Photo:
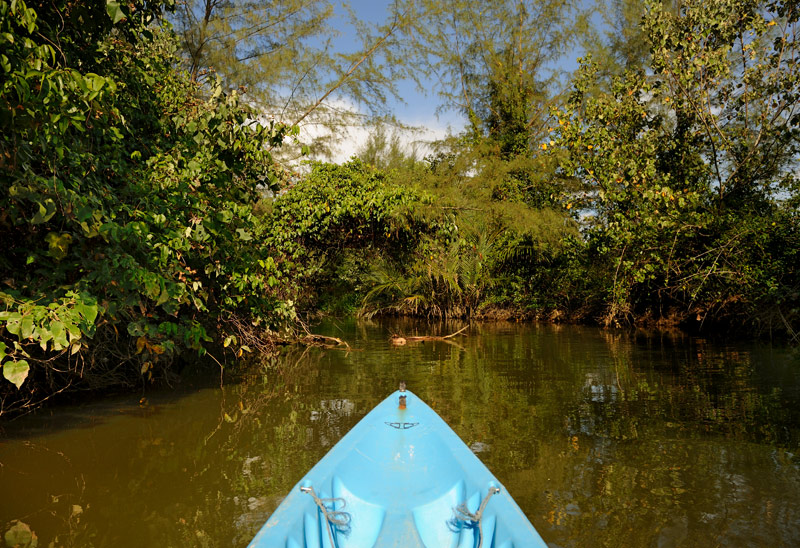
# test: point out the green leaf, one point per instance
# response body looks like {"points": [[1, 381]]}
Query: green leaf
{"points": [[26, 327], [151, 287], [20, 535], [16, 372], [84, 213], [2, 352], [226, 216], [74, 332], [59, 335], [163, 297], [96, 82], [12, 323], [45, 212], [88, 311], [135, 329], [114, 10], [44, 337], [58, 245]]}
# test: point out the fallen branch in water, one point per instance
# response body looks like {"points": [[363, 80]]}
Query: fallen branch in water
{"points": [[313, 339], [399, 340]]}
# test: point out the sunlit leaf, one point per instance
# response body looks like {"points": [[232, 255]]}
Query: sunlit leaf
{"points": [[26, 327], [20, 535], [16, 372], [114, 10], [58, 244], [13, 321], [45, 212], [88, 311], [59, 332]]}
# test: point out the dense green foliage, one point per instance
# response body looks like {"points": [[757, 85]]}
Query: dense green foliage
{"points": [[337, 218], [425, 238], [127, 203], [690, 170]]}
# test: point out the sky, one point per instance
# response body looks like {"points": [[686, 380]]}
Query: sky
{"points": [[417, 108]]}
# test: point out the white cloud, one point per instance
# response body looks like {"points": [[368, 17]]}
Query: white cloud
{"points": [[339, 144]]}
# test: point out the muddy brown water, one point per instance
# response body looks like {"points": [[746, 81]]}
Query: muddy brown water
{"points": [[603, 438]]}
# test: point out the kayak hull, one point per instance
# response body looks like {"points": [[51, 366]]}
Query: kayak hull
{"points": [[396, 480]]}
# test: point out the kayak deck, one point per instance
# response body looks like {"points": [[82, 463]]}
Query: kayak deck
{"points": [[396, 480]]}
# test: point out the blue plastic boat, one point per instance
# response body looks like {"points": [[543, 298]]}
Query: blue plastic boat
{"points": [[400, 478]]}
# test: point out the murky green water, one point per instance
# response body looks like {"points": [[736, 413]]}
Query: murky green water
{"points": [[603, 438]]}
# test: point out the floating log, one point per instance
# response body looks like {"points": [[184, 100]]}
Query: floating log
{"points": [[399, 340], [313, 339]]}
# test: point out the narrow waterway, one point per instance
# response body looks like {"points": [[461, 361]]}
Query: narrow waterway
{"points": [[603, 438]]}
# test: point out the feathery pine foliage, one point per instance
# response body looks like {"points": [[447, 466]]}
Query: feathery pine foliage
{"points": [[283, 54], [479, 54], [620, 44], [250, 44]]}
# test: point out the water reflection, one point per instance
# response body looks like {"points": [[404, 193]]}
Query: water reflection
{"points": [[660, 440]]}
